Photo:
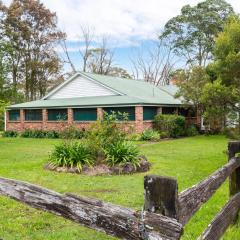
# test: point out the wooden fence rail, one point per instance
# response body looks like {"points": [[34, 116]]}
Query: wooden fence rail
{"points": [[165, 211]]}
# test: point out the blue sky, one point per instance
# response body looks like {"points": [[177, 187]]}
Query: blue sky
{"points": [[128, 24]]}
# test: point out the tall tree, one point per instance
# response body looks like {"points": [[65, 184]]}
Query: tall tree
{"points": [[100, 59], [227, 60], [192, 33], [31, 29], [154, 64], [191, 84]]}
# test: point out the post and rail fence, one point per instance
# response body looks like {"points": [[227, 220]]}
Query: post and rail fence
{"points": [[163, 216]]}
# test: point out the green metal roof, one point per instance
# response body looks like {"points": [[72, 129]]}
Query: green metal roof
{"points": [[133, 92]]}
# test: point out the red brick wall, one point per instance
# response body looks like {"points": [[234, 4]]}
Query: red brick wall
{"points": [[138, 125]]}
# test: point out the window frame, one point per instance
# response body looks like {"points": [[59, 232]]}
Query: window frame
{"points": [[33, 120], [57, 109], [145, 118], [132, 115], [14, 120], [91, 119]]}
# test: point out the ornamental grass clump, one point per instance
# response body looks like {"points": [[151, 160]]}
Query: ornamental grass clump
{"points": [[71, 154], [122, 153]]}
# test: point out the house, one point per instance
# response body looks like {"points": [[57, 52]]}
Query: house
{"points": [[85, 96]]}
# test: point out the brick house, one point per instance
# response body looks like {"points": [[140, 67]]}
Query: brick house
{"points": [[83, 97]]}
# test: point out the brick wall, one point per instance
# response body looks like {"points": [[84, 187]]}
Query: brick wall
{"points": [[138, 125]]}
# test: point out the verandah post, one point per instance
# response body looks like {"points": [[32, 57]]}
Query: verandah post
{"points": [[234, 178], [161, 195]]}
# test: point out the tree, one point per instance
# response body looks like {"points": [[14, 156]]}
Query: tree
{"points": [[100, 60], [119, 72], [217, 100], [31, 29], [227, 60], [227, 54], [154, 65], [191, 84], [192, 33]]}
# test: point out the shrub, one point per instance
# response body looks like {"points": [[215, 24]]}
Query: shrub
{"points": [[191, 131], [10, 134], [173, 125], [134, 137], [52, 134], [71, 154], [72, 132], [150, 135], [231, 133], [105, 132], [121, 153], [29, 133]]}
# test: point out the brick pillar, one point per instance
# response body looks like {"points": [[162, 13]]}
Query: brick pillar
{"points": [[22, 119], [44, 119], [159, 110], [99, 113], [70, 116], [139, 119]]}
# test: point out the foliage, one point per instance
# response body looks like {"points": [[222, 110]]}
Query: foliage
{"points": [[10, 134], [71, 154], [217, 99], [31, 33], [32, 133], [29, 133], [122, 152], [192, 33], [191, 84], [227, 54], [106, 131], [171, 125], [191, 131], [3, 105], [150, 135], [72, 132]]}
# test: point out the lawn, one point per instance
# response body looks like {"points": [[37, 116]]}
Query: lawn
{"points": [[189, 160]]}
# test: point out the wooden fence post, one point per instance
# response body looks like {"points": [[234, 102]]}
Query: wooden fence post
{"points": [[234, 178], [161, 195]]}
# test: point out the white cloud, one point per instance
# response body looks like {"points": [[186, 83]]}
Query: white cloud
{"points": [[125, 21]]}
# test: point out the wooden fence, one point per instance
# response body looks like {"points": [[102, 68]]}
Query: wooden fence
{"points": [[165, 211]]}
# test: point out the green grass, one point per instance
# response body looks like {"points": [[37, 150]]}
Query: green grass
{"points": [[189, 160]]}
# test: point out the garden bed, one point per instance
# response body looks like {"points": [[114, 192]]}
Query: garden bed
{"points": [[103, 169]]}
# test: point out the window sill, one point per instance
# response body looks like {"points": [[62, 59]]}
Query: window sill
{"points": [[12, 121], [55, 121], [32, 121]]}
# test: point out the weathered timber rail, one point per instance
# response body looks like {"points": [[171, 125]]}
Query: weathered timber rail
{"points": [[165, 210], [112, 219]]}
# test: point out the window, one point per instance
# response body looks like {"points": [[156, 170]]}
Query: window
{"points": [[57, 115], [14, 115], [85, 114], [33, 115], [169, 110], [129, 110], [149, 113]]}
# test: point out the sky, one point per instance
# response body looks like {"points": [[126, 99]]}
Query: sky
{"points": [[128, 25]]}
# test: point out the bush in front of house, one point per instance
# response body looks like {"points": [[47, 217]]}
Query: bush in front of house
{"points": [[122, 152], [191, 131], [105, 143], [172, 125], [105, 132], [29, 133], [72, 132], [10, 133], [72, 154], [150, 135]]}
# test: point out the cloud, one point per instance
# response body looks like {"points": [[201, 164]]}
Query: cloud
{"points": [[125, 22]]}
